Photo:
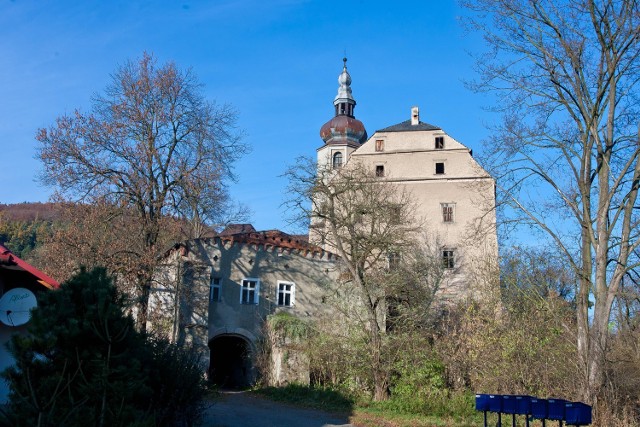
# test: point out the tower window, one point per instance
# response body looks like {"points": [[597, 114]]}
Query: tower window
{"points": [[379, 171], [439, 142], [337, 160], [379, 145], [447, 212], [393, 260], [439, 168], [448, 258]]}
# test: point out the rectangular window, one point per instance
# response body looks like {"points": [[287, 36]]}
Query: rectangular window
{"points": [[216, 287], [249, 291], [439, 142], [379, 145], [337, 160], [439, 168], [447, 212], [379, 171], [448, 258], [286, 294], [393, 259]]}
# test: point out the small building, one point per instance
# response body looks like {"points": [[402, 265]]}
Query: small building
{"points": [[228, 285], [17, 275]]}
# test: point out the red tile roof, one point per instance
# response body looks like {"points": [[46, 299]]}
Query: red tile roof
{"points": [[275, 238], [11, 261]]}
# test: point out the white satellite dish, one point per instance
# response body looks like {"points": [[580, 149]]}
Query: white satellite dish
{"points": [[16, 305]]}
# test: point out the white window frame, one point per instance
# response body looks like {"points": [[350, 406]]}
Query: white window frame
{"points": [[216, 283], [291, 292], [444, 206], [255, 289]]}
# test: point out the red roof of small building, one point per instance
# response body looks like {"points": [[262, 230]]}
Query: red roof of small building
{"points": [[275, 238], [246, 234], [10, 261]]}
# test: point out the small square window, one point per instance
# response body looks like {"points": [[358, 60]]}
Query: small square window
{"points": [[286, 294], [439, 168], [379, 171], [439, 142], [379, 145], [448, 258], [447, 212], [249, 291], [216, 287]]}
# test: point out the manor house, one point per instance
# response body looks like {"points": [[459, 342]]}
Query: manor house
{"points": [[216, 293]]}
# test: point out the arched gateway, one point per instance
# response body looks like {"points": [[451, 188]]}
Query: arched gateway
{"points": [[231, 364]]}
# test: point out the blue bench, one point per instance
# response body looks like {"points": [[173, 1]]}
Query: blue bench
{"points": [[572, 413]]}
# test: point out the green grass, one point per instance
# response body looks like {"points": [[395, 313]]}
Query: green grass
{"points": [[310, 397], [446, 410]]}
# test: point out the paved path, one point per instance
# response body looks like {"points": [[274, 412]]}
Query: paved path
{"points": [[240, 409]]}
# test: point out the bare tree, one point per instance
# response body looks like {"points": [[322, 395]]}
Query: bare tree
{"points": [[369, 223], [566, 155], [148, 142]]}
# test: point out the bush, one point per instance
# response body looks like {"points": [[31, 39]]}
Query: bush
{"points": [[82, 363]]}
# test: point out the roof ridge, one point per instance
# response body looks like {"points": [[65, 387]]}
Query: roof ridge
{"points": [[406, 126]]}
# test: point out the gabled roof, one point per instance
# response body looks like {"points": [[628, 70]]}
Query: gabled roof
{"points": [[237, 228], [406, 126], [11, 262]]}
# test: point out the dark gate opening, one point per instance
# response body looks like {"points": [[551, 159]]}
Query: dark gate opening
{"points": [[230, 365]]}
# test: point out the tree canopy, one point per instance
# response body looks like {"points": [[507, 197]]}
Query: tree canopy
{"points": [[388, 278], [152, 147], [566, 153]]}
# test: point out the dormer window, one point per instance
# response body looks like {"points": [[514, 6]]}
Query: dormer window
{"points": [[439, 142], [337, 160]]}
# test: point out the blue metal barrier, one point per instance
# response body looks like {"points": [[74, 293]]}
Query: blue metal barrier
{"points": [[577, 413], [572, 413]]}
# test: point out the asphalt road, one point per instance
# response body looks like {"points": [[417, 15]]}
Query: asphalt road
{"points": [[240, 409]]}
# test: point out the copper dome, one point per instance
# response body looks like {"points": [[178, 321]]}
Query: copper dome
{"points": [[341, 129]]}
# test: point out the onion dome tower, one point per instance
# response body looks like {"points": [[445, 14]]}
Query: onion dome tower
{"points": [[343, 133]]}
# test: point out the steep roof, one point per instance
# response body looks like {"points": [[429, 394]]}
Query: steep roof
{"points": [[10, 261], [406, 126]]}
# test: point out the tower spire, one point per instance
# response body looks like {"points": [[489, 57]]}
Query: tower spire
{"points": [[344, 128], [344, 102]]}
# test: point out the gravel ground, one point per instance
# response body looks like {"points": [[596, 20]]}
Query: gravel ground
{"points": [[240, 409]]}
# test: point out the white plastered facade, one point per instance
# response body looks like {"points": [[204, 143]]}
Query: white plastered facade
{"points": [[408, 155]]}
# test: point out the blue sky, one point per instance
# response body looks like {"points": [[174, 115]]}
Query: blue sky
{"points": [[276, 61]]}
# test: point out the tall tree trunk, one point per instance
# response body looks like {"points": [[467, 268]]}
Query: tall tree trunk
{"points": [[380, 376]]}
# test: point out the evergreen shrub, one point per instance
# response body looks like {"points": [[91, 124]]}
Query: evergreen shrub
{"points": [[82, 363]]}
